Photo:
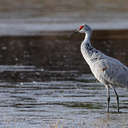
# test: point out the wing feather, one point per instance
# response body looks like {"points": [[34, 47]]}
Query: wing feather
{"points": [[111, 71]]}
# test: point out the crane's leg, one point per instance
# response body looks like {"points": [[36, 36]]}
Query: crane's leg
{"points": [[117, 98], [108, 98]]}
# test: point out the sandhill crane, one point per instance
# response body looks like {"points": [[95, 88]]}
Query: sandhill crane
{"points": [[109, 71]]}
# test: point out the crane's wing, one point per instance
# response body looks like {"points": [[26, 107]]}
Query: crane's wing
{"points": [[114, 72]]}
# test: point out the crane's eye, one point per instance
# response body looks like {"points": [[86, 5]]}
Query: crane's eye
{"points": [[81, 27]]}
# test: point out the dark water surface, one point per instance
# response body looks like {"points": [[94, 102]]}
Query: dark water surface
{"points": [[45, 82]]}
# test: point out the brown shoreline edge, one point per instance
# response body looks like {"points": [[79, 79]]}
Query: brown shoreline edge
{"points": [[58, 51], [97, 34]]}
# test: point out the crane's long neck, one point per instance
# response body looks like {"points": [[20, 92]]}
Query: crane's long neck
{"points": [[86, 47]]}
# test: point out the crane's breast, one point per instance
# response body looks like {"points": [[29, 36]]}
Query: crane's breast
{"points": [[99, 70]]}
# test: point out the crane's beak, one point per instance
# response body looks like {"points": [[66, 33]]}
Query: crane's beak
{"points": [[76, 30]]}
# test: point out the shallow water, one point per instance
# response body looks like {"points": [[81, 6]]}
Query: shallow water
{"points": [[78, 102]]}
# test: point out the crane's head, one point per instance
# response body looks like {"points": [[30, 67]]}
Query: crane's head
{"points": [[84, 29]]}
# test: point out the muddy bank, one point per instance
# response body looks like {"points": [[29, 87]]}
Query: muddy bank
{"points": [[60, 50]]}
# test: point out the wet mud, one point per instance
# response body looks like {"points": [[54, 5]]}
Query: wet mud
{"points": [[58, 51]]}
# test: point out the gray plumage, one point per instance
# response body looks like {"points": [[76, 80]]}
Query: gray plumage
{"points": [[109, 71]]}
